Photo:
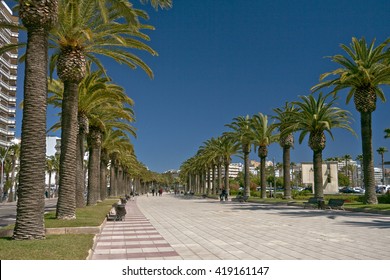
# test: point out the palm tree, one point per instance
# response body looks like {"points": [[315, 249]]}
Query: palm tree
{"points": [[106, 117], [286, 141], [262, 136], [87, 29], [363, 70], [113, 142], [38, 17], [50, 168], [242, 134], [315, 117], [360, 159], [387, 133], [227, 148], [96, 94], [14, 152], [381, 151], [346, 158]]}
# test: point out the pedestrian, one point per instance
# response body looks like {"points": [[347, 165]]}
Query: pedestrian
{"points": [[153, 192], [160, 192], [223, 195]]}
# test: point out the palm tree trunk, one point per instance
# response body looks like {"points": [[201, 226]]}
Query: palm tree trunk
{"points": [[49, 189], [80, 181], [30, 206], [219, 176], [383, 169], [66, 205], [246, 151], [208, 182], [368, 161], [93, 173], [263, 181], [286, 172], [215, 191], [103, 180], [227, 186], [317, 166]]}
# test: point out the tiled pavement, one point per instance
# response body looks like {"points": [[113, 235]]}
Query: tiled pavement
{"points": [[133, 238], [170, 227]]}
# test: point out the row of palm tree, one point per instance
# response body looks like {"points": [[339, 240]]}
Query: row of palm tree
{"points": [[310, 116], [363, 70], [79, 31]]}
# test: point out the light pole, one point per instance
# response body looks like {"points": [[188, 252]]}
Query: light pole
{"points": [[2, 171]]}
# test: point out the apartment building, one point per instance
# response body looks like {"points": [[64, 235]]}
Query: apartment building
{"points": [[8, 74]]}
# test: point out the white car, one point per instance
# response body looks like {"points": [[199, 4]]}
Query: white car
{"points": [[382, 188], [359, 190]]}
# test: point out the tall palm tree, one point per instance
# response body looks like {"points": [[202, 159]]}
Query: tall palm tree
{"points": [[346, 159], [242, 134], [381, 151], [262, 136], [85, 31], [106, 117], [96, 92], [227, 148], [363, 70], [314, 118], [286, 141], [38, 17], [113, 142]]}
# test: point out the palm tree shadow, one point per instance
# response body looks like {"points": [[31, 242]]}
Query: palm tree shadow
{"points": [[374, 223]]}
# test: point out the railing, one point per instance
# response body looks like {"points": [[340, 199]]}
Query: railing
{"points": [[7, 132], [8, 110], [8, 120], [8, 86], [8, 98]]}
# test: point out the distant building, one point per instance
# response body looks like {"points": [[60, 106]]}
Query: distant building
{"points": [[329, 176], [8, 75], [234, 169], [378, 176], [53, 145]]}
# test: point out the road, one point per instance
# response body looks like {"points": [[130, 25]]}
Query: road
{"points": [[8, 211]]}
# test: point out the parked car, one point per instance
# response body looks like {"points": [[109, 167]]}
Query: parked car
{"points": [[347, 190], [359, 190], [382, 188], [297, 188]]}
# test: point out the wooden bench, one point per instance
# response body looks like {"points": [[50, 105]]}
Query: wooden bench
{"points": [[314, 202], [241, 198], [335, 204]]}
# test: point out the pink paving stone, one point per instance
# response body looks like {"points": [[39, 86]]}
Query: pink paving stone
{"points": [[134, 229]]}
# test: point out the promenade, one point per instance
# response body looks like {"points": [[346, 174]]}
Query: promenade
{"points": [[173, 227]]}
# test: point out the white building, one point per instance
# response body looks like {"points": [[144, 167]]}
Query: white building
{"points": [[329, 176], [53, 147], [8, 75]]}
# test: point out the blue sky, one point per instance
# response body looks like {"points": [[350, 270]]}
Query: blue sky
{"points": [[221, 59]]}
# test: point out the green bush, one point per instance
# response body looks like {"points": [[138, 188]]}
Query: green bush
{"points": [[385, 199]]}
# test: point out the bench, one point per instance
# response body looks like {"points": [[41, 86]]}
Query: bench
{"points": [[335, 204], [241, 198], [204, 195], [314, 202]]}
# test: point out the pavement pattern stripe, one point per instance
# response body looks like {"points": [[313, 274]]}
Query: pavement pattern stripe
{"points": [[132, 238]]}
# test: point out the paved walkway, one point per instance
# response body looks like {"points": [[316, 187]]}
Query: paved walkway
{"points": [[171, 227]]}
